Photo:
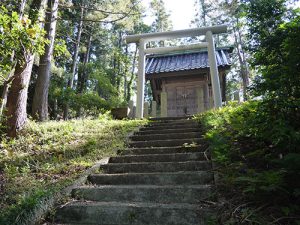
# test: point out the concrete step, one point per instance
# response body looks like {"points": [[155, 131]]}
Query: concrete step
{"points": [[144, 193], [166, 143], [168, 127], [172, 123], [116, 213], [166, 136], [169, 131], [179, 178], [164, 150], [170, 118], [176, 157], [153, 167]]}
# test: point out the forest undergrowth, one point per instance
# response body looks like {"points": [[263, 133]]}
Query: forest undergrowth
{"points": [[257, 164], [49, 156]]}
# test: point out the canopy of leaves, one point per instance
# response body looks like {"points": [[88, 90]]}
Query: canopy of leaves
{"points": [[275, 43], [18, 37]]}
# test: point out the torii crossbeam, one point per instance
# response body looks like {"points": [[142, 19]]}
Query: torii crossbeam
{"points": [[142, 39]]}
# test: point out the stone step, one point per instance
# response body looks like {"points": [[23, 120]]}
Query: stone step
{"points": [[172, 123], [144, 193], [179, 178], [170, 118], [169, 131], [116, 213], [176, 157], [166, 143], [154, 167], [164, 150], [166, 136], [168, 127]]}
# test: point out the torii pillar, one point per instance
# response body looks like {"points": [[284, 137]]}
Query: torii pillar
{"points": [[142, 39]]}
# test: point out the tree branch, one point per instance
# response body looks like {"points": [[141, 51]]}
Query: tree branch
{"points": [[97, 10]]}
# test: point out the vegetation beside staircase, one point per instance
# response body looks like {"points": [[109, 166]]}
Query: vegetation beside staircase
{"points": [[50, 156]]}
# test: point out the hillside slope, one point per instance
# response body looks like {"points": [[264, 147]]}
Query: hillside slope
{"points": [[49, 156]]}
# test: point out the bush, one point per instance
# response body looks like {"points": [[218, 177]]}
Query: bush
{"points": [[258, 153]]}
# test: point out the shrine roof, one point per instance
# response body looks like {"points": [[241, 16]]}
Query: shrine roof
{"points": [[185, 61]]}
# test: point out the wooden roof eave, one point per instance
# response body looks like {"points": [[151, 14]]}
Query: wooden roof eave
{"points": [[183, 73]]}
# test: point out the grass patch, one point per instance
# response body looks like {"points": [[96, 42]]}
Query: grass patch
{"points": [[258, 162], [49, 156]]}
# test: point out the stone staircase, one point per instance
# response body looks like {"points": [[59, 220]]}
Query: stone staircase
{"points": [[163, 178]]}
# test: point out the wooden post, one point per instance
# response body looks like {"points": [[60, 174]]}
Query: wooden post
{"points": [[146, 109], [153, 109], [206, 96], [164, 104], [200, 100]]}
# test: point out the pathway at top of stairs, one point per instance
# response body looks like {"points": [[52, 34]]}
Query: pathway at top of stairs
{"points": [[163, 178]]}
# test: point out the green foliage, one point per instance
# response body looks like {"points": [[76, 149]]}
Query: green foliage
{"points": [[256, 144], [18, 37], [60, 50], [99, 95], [275, 43], [49, 156], [258, 153], [162, 18]]}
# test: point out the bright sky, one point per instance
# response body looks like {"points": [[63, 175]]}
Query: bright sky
{"points": [[182, 12]]}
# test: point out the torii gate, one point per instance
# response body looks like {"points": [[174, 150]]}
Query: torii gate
{"points": [[142, 39]]}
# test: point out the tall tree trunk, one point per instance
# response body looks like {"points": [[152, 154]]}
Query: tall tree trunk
{"points": [[243, 54], [125, 74], [132, 75], [17, 97], [84, 76], [11, 74], [82, 83], [76, 49], [204, 12], [75, 56], [5, 90], [119, 67], [243, 64], [18, 92], [22, 8], [40, 99]]}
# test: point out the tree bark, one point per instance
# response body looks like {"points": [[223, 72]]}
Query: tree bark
{"points": [[14, 100], [125, 74], [82, 83], [84, 76], [76, 49], [132, 75], [17, 97], [22, 8], [18, 92], [10, 76], [243, 63], [40, 99], [5, 90], [243, 54], [75, 56]]}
